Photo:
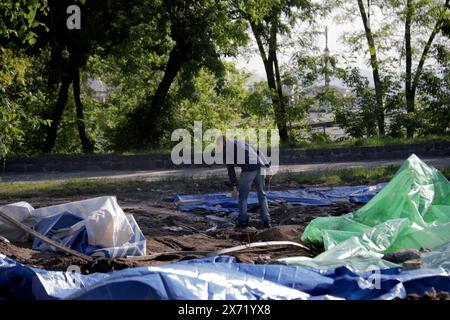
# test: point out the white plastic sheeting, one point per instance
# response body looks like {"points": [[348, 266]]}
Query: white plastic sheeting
{"points": [[19, 211], [106, 223]]}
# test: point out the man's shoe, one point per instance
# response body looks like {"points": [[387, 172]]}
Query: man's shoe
{"points": [[267, 225]]}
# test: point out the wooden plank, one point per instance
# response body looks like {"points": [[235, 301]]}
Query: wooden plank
{"points": [[258, 245], [156, 255], [43, 238], [222, 251]]}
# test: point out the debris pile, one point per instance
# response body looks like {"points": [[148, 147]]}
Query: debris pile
{"points": [[411, 212], [95, 227], [396, 246]]}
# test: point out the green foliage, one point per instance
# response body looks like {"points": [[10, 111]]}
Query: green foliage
{"points": [[217, 109], [17, 22], [432, 112], [201, 32], [434, 91], [375, 141], [356, 112], [258, 101], [18, 19], [131, 71], [127, 45]]}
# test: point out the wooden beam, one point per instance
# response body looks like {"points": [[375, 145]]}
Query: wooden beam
{"points": [[222, 251], [258, 245], [43, 238]]}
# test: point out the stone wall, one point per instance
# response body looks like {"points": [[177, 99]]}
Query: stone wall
{"points": [[111, 162], [387, 152]]}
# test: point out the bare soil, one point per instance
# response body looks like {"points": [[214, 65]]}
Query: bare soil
{"points": [[169, 230]]}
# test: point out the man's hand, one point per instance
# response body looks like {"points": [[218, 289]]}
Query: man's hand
{"points": [[234, 193]]}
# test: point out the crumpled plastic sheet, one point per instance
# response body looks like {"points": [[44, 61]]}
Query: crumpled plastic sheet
{"points": [[96, 226], [58, 228], [438, 258], [411, 212], [222, 202], [106, 223], [217, 278]]}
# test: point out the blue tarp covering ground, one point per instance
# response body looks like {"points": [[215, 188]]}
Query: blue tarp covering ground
{"points": [[222, 202], [217, 278]]}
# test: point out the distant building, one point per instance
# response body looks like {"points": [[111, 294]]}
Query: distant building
{"points": [[99, 88], [320, 116]]}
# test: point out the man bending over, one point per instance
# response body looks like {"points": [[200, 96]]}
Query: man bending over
{"points": [[252, 163]]}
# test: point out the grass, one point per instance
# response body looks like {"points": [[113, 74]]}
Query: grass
{"points": [[80, 154], [83, 186], [15, 191], [369, 142], [339, 177]]}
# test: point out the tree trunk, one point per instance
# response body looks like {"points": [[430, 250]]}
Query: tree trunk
{"points": [[57, 113], [173, 66], [282, 123], [276, 93], [411, 84], [88, 146], [379, 90], [426, 49], [409, 94]]}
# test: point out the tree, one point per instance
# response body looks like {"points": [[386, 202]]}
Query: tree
{"points": [[356, 113], [421, 22], [379, 87], [371, 42], [18, 20], [204, 98], [412, 15], [200, 31], [433, 93], [18, 25], [131, 72], [268, 20], [104, 24]]}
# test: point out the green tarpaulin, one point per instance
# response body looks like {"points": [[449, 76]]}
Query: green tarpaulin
{"points": [[411, 212]]}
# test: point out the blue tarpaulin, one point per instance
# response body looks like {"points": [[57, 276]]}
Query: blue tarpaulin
{"points": [[58, 228], [217, 278], [222, 202]]}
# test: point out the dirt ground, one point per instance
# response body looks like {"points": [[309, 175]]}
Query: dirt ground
{"points": [[174, 236], [196, 234]]}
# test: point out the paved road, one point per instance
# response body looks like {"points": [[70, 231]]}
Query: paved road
{"points": [[203, 172]]}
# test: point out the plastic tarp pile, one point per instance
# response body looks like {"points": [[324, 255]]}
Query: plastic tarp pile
{"points": [[411, 212], [217, 278], [96, 227], [438, 258], [222, 202]]}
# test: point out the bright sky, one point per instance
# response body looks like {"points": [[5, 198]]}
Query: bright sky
{"points": [[254, 63], [251, 61]]}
